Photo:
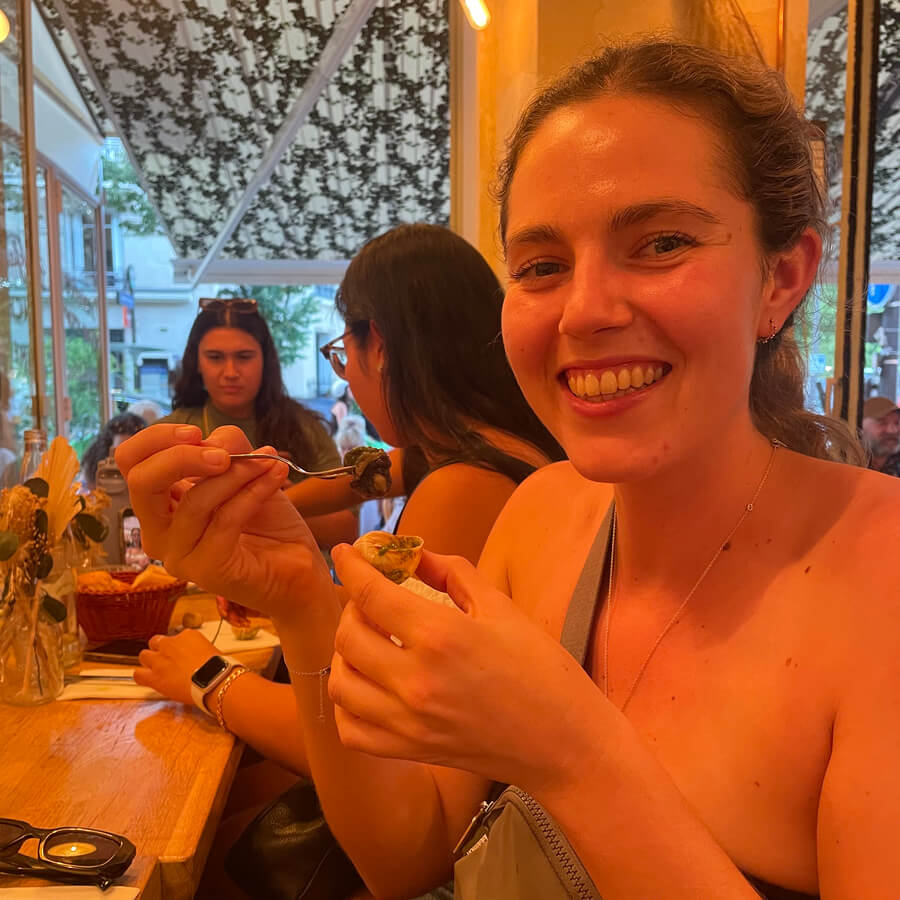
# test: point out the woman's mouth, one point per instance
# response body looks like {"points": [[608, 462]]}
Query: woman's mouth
{"points": [[602, 385]]}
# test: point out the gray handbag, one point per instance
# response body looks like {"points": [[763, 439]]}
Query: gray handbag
{"points": [[513, 849]]}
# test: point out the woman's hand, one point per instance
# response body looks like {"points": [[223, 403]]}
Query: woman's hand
{"points": [[480, 688], [222, 523], [169, 662]]}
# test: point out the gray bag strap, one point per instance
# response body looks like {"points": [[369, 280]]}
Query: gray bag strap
{"points": [[576, 633]]}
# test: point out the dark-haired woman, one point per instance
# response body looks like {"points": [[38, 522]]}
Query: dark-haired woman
{"points": [[230, 375], [455, 403]]}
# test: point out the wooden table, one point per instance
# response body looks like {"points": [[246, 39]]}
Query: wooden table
{"points": [[157, 772]]}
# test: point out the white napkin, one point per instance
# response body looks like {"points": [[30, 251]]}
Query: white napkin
{"points": [[226, 642], [68, 892], [417, 586], [94, 688]]}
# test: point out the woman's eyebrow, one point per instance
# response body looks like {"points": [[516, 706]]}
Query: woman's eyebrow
{"points": [[642, 212], [534, 234]]}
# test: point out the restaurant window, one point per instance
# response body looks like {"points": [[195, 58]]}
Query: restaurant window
{"points": [[81, 313], [17, 370]]}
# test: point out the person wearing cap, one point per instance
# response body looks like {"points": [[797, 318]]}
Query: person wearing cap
{"points": [[881, 434]]}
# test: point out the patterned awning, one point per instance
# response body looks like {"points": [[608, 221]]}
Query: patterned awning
{"points": [[198, 89]]}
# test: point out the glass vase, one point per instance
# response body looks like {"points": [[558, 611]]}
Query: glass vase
{"points": [[31, 664], [61, 583]]}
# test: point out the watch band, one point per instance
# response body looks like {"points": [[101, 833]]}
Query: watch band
{"points": [[198, 694]]}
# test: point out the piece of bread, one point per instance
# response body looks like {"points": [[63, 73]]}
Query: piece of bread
{"points": [[153, 576], [100, 581]]}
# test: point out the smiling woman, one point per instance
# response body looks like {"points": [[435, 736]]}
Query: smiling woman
{"points": [[730, 723]]}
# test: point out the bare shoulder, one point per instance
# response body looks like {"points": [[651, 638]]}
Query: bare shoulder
{"points": [[848, 520], [454, 508], [864, 506], [542, 537], [557, 496]]}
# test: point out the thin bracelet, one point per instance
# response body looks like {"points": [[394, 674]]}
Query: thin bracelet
{"points": [[322, 675], [223, 690]]}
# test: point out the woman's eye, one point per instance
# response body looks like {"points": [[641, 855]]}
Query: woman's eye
{"points": [[665, 244], [536, 269]]}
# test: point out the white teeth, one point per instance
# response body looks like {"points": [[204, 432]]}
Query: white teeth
{"points": [[612, 384], [609, 384]]}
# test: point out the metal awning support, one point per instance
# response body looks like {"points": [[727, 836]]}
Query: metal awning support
{"points": [[342, 38], [262, 271]]}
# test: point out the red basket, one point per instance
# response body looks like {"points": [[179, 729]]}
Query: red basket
{"points": [[126, 615]]}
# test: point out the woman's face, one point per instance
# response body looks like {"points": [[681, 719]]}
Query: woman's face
{"points": [[364, 375], [231, 366], [630, 261]]}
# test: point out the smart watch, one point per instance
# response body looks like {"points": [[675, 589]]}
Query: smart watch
{"points": [[206, 677]]}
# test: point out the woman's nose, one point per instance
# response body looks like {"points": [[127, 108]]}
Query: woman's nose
{"points": [[595, 300]]}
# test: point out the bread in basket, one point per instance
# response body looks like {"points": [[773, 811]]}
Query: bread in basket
{"points": [[122, 604]]}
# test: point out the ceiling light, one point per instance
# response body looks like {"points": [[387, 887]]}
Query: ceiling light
{"points": [[477, 13]]}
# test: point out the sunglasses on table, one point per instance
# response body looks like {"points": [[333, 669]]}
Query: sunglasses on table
{"points": [[335, 352], [73, 855], [238, 304]]}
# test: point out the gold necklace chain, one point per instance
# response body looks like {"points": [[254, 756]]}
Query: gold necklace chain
{"points": [[610, 596]]}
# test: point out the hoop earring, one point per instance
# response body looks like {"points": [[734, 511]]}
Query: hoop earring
{"points": [[772, 332]]}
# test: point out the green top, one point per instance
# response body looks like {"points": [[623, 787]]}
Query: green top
{"points": [[325, 453]]}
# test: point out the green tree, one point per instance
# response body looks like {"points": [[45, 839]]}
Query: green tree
{"points": [[124, 195], [288, 311]]}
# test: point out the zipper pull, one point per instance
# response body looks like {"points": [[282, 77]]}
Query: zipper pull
{"points": [[477, 819]]}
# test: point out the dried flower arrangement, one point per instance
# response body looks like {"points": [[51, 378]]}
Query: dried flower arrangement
{"points": [[33, 519]]}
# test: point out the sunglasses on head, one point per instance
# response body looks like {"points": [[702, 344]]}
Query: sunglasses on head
{"points": [[74, 855], [238, 304]]}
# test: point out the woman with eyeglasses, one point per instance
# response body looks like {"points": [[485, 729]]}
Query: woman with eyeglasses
{"points": [[449, 405], [231, 375]]}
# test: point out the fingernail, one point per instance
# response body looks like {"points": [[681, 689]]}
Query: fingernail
{"points": [[185, 432], [214, 456]]}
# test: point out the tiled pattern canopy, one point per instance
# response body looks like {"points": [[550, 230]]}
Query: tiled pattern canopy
{"points": [[198, 88]]}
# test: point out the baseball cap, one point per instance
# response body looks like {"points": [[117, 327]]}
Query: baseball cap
{"points": [[878, 407]]}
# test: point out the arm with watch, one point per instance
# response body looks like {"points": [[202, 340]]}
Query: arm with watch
{"points": [[262, 713]]}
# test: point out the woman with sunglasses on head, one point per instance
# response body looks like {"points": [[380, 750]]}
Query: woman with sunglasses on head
{"points": [[230, 375]]}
